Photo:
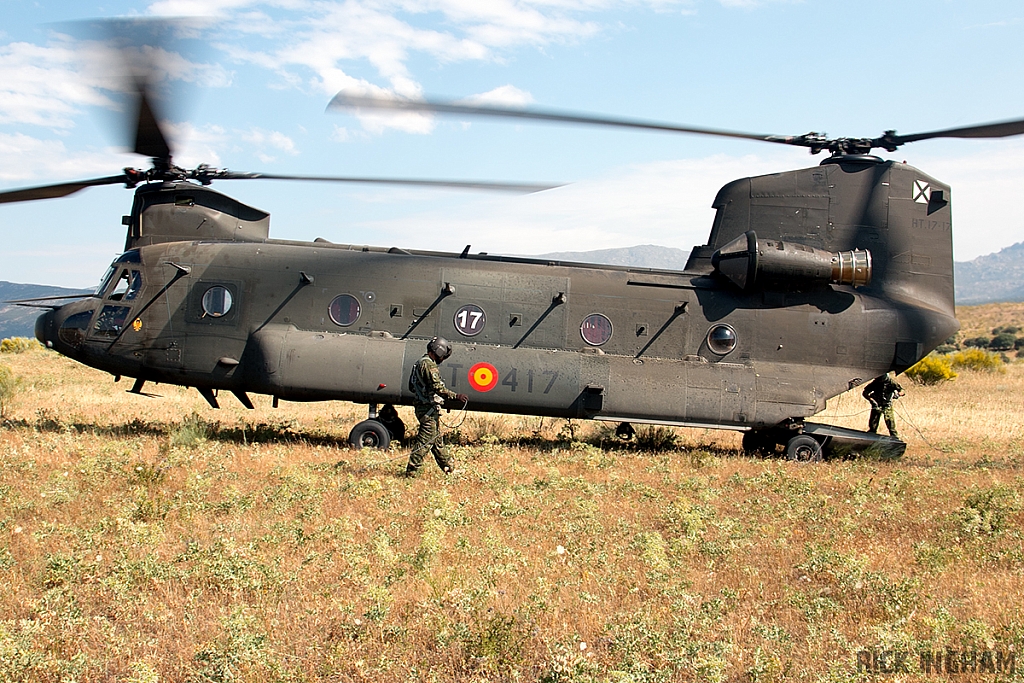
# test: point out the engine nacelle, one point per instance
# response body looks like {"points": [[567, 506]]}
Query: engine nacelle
{"points": [[774, 264]]}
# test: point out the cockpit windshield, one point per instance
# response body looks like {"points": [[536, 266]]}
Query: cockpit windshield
{"points": [[127, 257]]}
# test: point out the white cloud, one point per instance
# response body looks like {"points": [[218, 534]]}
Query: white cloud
{"points": [[506, 95], [322, 39], [24, 158], [263, 140], [43, 85], [665, 203], [197, 8]]}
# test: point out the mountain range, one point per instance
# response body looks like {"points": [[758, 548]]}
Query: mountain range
{"points": [[20, 321], [986, 279]]}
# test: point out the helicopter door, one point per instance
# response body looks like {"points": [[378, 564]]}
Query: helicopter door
{"points": [[212, 317]]}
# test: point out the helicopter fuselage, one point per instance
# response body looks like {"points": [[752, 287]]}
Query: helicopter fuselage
{"points": [[734, 346]]}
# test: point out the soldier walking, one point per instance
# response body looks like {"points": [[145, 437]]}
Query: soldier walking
{"points": [[880, 393], [431, 394]]}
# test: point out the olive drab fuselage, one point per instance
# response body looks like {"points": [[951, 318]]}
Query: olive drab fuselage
{"points": [[812, 282]]}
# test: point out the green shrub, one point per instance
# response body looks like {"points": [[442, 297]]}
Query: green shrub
{"points": [[945, 349], [1003, 341], [976, 342], [19, 345], [986, 512], [931, 370], [9, 385], [1018, 343], [978, 360]]}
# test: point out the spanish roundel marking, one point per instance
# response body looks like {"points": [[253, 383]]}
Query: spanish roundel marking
{"points": [[483, 376]]}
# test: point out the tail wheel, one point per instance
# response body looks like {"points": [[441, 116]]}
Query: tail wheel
{"points": [[803, 448], [369, 434]]}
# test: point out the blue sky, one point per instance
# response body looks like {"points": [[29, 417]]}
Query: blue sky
{"points": [[255, 98]]}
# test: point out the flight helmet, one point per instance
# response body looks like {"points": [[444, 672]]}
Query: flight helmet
{"points": [[440, 347]]}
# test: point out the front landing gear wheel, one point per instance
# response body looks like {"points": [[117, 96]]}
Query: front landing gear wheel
{"points": [[369, 434], [803, 448]]}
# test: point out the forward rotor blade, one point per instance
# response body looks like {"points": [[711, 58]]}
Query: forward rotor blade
{"points": [[997, 129], [49, 298], [150, 140], [347, 101], [522, 188], [28, 194]]}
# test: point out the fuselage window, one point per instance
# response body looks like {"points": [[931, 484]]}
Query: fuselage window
{"points": [[217, 302], [721, 339], [596, 329], [344, 310], [470, 320], [72, 330], [111, 321]]}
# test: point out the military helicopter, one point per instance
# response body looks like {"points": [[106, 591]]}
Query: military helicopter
{"points": [[811, 283]]}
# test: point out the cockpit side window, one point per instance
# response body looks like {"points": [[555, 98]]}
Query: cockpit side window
{"points": [[121, 288], [134, 286], [128, 286]]}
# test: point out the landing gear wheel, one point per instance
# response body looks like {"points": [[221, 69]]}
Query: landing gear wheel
{"points": [[803, 448], [757, 442], [369, 434]]}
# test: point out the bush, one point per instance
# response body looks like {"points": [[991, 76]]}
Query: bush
{"points": [[1003, 341], [9, 385], [978, 360], [931, 370], [977, 342], [945, 348], [19, 345]]}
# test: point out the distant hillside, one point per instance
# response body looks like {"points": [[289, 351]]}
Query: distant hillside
{"points": [[641, 256], [987, 279], [19, 321], [991, 278]]}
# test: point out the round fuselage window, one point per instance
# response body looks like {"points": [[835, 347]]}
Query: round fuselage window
{"points": [[217, 301], [721, 339], [596, 329], [345, 310]]}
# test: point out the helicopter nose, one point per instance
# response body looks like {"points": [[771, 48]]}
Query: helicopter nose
{"points": [[44, 328]]}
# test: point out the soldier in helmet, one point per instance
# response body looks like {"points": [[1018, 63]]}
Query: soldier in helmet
{"points": [[880, 393], [431, 394]]}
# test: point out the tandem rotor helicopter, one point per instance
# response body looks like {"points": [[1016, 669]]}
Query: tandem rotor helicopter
{"points": [[811, 283]]}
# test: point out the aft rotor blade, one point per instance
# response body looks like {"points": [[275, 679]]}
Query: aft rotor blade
{"points": [[28, 194], [346, 101], [998, 129], [522, 188]]}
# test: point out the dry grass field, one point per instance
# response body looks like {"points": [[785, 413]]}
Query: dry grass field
{"points": [[154, 539]]}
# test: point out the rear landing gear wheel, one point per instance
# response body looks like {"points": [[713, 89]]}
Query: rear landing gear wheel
{"points": [[803, 448], [369, 434]]}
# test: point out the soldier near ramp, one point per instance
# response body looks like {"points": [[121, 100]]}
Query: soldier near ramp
{"points": [[431, 394], [880, 393]]}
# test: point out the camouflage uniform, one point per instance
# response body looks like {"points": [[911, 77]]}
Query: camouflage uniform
{"points": [[881, 392], [427, 386]]}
